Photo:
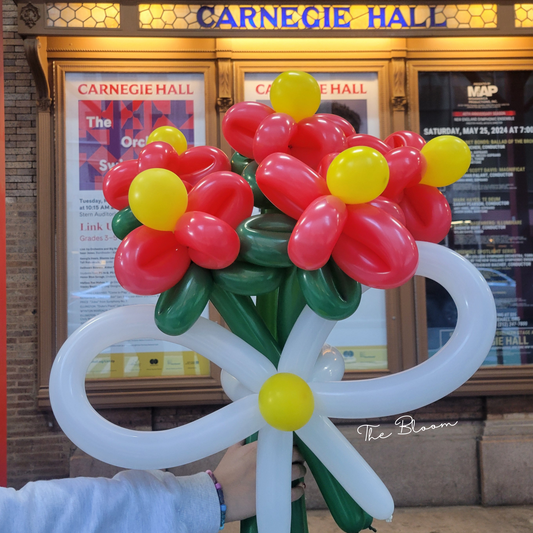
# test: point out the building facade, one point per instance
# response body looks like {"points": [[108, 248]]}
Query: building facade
{"points": [[431, 69]]}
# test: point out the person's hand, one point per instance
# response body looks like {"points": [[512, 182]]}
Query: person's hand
{"points": [[236, 474]]}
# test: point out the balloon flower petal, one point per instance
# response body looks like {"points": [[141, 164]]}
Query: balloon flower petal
{"points": [[348, 467], [289, 184], [340, 122], [427, 213], [392, 208], [314, 138], [148, 261], [304, 344], [240, 125], [158, 154], [117, 181], [317, 232], [200, 161], [405, 138], [273, 135], [211, 242], [375, 249], [224, 195], [273, 496], [406, 166], [362, 139]]}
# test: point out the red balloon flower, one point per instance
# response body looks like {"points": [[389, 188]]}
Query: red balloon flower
{"points": [[367, 241], [149, 261], [191, 166]]}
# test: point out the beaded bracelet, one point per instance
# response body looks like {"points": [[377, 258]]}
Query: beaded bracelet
{"points": [[220, 494]]}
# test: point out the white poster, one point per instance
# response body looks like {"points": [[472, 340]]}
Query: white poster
{"points": [[108, 119], [362, 338]]}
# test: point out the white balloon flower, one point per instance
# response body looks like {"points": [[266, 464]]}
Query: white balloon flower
{"points": [[264, 397]]}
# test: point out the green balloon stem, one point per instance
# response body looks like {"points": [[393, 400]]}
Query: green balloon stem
{"points": [[242, 318], [299, 516], [347, 514], [266, 307], [290, 304]]}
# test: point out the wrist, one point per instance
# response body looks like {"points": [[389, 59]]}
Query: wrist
{"points": [[220, 494]]}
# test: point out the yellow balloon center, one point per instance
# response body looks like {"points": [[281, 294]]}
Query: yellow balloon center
{"points": [[295, 93], [170, 135], [447, 158], [158, 198], [358, 175], [286, 402]]}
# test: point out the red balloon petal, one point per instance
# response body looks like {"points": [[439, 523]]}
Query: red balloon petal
{"points": [[406, 166], [212, 243], [117, 181], [405, 138], [289, 184], [317, 232], [314, 138], [392, 208], [375, 249], [150, 261], [340, 122], [240, 124], [158, 154], [427, 213], [224, 195], [324, 164], [362, 139], [273, 135], [198, 162]]}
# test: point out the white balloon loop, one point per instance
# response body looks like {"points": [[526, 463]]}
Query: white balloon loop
{"points": [[445, 371], [159, 449]]}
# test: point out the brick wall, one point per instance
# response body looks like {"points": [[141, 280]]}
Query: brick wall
{"points": [[36, 448]]}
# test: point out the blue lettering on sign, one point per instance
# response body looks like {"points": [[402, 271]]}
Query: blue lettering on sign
{"points": [[397, 18], [305, 17], [312, 17], [340, 13], [286, 17], [265, 15], [247, 15], [326, 17], [227, 18], [372, 17], [200, 16], [432, 23], [414, 24]]}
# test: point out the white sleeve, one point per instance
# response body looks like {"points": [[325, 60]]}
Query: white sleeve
{"points": [[134, 501]]}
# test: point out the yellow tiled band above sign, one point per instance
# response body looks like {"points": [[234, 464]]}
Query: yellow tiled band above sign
{"points": [[82, 15], [523, 15], [316, 17]]}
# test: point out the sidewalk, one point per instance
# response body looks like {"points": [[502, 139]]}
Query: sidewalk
{"points": [[467, 519]]}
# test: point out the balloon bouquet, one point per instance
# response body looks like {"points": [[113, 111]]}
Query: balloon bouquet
{"points": [[340, 213]]}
